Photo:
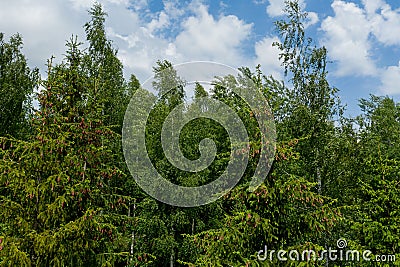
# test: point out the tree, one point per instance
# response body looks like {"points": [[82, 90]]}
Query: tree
{"points": [[105, 72], [61, 203], [374, 216], [161, 236], [68, 199], [17, 83], [312, 101], [283, 213], [167, 83]]}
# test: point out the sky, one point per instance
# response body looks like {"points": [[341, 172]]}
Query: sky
{"points": [[362, 36]]}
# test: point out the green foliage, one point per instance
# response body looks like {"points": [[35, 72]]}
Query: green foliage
{"points": [[168, 84], [61, 194], [375, 216], [68, 199], [61, 203], [105, 72], [17, 83]]}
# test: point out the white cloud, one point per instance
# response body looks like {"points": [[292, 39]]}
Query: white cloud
{"points": [[139, 5], [222, 6], [87, 4], [141, 37], [347, 39], [122, 20], [45, 26], [372, 5], [79, 4], [199, 36], [276, 8], [312, 18], [172, 8], [268, 56], [383, 20], [158, 23], [391, 80], [259, 2], [205, 38], [139, 51]]}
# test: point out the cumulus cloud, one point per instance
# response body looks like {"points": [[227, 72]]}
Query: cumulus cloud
{"points": [[139, 5], [44, 25], [383, 19], [312, 18], [200, 36], [158, 23], [268, 56], [391, 80], [350, 36], [172, 8], [205, 38], [177, 33], [276, 8], [347, 39]]}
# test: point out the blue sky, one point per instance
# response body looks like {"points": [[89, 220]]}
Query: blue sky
{"points": [[362, 36]]}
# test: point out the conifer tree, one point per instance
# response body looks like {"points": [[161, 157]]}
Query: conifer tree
{"points": [[17, 83], [60, 195], [105, 71]]}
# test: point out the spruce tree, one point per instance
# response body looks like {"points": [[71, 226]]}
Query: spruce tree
{"points": [[61, 203], [17, 83]]}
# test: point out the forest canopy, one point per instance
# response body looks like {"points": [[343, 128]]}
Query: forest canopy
{"points": [[67, 197]]}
